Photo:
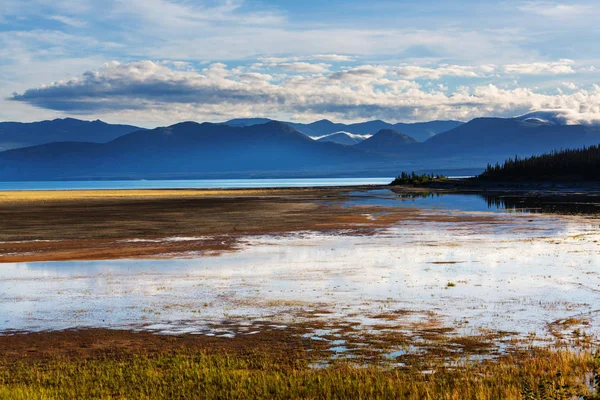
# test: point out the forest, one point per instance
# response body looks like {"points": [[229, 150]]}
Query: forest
{"points": [[561, 165]]}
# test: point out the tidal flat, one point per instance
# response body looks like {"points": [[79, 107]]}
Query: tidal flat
{"points": [[414, 282]]}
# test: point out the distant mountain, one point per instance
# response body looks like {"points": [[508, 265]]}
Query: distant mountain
{"points": [[420, 130], [345, 138], [525, 136], [319, 128], [241, 122], [187, 149], [16, 134], [389, 141], [542, 118], [276, 149]]}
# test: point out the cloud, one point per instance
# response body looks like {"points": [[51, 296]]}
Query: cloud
{"points": [[255, 76], [555, 10], [277, 60], [332, 57], [363, 72], [368, 91], [73, 22], [175, 15], [305, 67], [417, 72], [561, 67], [291, 64]]}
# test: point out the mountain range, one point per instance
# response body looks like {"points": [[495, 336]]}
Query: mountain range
{"points": [[271, 149], [420, 131], [18, 134], [186, 149]]}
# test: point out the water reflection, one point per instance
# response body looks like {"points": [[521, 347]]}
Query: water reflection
{"points": [[572, 204], [519, 277], [568, 204]]}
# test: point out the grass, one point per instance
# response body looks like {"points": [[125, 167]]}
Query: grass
{"points": [[197, 374], [70, 195]]}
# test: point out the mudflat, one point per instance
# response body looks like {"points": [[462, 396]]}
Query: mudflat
{"points": [[297, 287], [112, 224]]}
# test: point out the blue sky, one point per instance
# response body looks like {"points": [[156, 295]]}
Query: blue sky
{"points": [[155, 62]]}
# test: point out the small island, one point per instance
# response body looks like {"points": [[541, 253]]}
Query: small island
{"points": [[413, 178]]}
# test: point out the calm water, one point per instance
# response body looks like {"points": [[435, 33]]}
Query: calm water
{"points": [[193, 183], [430, 201]]}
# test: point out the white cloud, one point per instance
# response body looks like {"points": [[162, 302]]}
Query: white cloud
{"points": [[176, 15], [255, 76], [569, 85], [277, 60], [417, 72], [305, 67], [360, 73], [556, 10], [561, 67], [215, 92], [332, 57], [73, 22]]}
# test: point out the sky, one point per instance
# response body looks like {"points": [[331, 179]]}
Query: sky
{"points": [[157, 62]]}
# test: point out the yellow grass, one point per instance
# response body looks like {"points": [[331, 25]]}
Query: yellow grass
{"points": [[60, 195], [197, 375]]}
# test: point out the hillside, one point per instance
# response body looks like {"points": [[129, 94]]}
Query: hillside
{"points": [[422, 131], [566, 165], [17, 134], [504, 137], [388, 141]]}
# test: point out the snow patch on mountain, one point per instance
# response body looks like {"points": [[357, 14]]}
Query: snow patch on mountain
{"points": [[350, 135]]}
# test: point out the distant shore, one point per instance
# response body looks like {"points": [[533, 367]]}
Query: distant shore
{"points": [[474, 185]]}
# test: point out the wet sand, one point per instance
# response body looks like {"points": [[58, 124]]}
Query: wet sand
{"points": [[114, 224]]}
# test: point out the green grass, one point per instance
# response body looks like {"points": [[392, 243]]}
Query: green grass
{"points": [[199, 375]]}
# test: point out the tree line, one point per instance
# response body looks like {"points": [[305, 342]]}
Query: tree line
{"points": [[573, 164]]}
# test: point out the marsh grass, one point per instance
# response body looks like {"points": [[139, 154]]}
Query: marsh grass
{"points": [[197, 374]]}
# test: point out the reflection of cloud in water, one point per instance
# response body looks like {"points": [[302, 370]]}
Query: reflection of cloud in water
{"points": [[508, 277]]}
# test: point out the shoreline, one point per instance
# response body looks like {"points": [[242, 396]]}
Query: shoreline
{"points": [[167, 223], [475, 186]]}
